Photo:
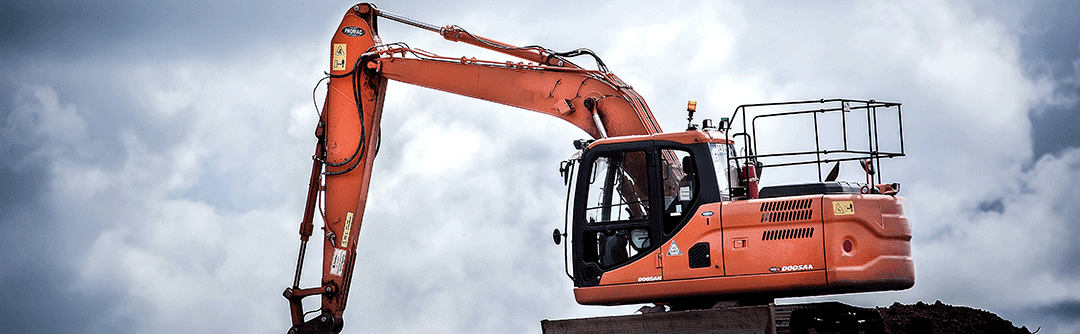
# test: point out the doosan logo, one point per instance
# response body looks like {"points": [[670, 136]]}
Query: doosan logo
{"points": [[792, 268], [352, 31]]}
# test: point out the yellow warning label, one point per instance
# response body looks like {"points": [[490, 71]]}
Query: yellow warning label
{"points": [[841, 208], [339, 57], [348, 228]]}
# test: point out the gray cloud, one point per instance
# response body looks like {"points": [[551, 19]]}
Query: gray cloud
{"points": [[1060, 317], [1052, 49], [158, 32], [42, 248], [166, 146]]}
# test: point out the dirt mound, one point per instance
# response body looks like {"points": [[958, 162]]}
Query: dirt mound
{"points": [[941, 318]]}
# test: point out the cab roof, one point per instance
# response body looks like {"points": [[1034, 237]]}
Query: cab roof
{"points": [[684, 137]]}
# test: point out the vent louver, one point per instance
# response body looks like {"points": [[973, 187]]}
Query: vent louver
{"points": [[791, 233], [699, 256], [784, 211]]}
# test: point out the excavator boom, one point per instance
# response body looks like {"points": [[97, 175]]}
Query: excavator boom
{"points": [[574, 96], [596, 101]]}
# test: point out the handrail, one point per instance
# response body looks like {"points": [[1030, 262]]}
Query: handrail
{"points": [[751, 113]]}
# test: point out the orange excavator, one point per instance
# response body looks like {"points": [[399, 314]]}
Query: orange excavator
{"points": [[674, 218]]}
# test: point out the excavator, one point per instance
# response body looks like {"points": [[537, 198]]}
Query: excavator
{"points": [[671, 218]]}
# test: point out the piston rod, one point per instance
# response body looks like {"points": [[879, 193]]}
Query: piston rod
{"points": [[405, 20]]}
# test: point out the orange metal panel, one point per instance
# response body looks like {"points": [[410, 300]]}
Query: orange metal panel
{"points": [[797, 283], [698, 230], [792, 246], [773, 235], [878, 237], [681, 137]]}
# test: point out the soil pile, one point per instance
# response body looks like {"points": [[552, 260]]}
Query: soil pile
{"points": [[941, 318]]}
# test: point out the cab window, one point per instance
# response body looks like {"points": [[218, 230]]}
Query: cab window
{"points": [[618, 188], [680, 186]]}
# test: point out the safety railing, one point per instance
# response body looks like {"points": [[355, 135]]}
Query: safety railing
{"points": [[858, 120]]}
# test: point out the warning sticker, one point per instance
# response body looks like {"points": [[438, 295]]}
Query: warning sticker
{"points": [[841, 208], [348, 228], [338, 263], [673, 250], [339, 57]]}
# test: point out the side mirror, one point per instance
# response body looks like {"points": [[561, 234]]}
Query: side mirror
{"points": [[556, 236], [867, 166]]}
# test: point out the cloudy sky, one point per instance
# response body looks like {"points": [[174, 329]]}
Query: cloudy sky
{"points": [[154, 155]]}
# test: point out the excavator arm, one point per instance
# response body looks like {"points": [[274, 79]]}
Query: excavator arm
{"points": [[348, 132]]}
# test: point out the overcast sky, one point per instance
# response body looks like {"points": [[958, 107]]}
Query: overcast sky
{"points": [[154, 155]]}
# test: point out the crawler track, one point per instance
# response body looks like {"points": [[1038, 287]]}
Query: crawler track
{"points": [[826, 317]]}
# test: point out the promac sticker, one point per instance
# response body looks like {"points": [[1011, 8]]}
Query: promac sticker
{"points": [[352, 31], [348, 228], [339, 57], [338, 263], [674, 250], [843, 208]]}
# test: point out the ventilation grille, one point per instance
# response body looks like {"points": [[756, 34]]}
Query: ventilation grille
{"points": [[784, 211], [791, 233], [699, 256]]}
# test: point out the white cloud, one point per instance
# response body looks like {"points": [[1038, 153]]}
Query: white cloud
{"points": [[196, 231], [197, 226]]}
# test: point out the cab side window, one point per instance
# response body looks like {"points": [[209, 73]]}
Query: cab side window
{"points": [[680, 186], [618, 188]]}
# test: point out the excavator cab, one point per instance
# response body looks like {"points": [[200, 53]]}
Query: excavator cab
{"points": [[633, 194], [680, 217]]}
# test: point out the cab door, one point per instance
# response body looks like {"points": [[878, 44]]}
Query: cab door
{"points": [[616, 227]]}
